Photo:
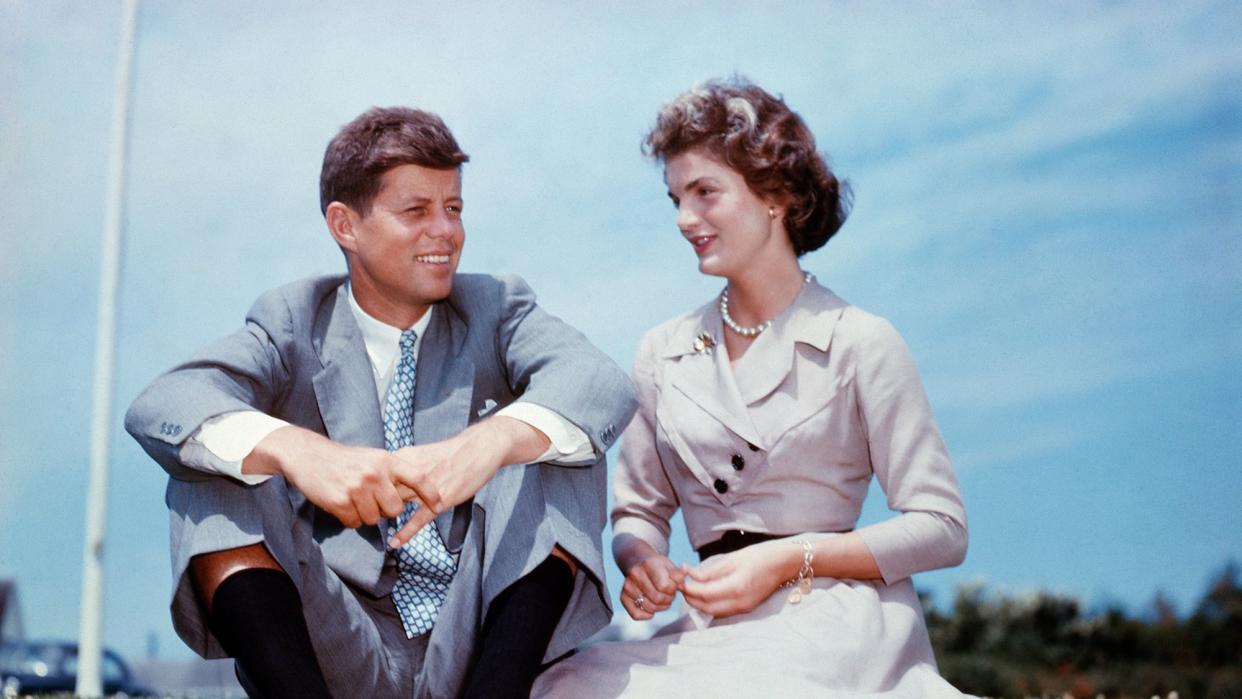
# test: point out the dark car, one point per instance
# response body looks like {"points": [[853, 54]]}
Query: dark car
{"points": [[52, 666]]}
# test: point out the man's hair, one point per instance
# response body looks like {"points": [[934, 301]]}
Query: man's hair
{"points": [[378, 140], [767, 143]]}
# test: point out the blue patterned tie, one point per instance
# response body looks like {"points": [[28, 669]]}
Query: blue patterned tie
{"points": [[424, 566]]}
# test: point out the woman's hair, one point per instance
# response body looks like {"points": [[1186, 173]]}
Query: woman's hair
{"points": [[743, 126]]}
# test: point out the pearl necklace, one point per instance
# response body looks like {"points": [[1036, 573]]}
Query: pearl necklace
{"points": [[753, 330]]}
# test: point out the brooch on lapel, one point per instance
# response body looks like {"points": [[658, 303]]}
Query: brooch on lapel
{"points": [[703, 344]]}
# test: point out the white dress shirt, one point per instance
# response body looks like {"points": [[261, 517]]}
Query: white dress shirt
{"points": [[223, 442]]}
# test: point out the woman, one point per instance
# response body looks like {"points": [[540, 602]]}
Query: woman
{"points": [[763, 415]]}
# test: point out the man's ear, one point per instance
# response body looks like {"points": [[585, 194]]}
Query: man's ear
{"points": [[341, 220]]}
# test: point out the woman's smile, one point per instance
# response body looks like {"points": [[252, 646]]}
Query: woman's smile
{"points": [[701, 243]]}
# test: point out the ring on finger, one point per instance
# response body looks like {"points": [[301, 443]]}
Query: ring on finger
{"points": [[640, 600]]}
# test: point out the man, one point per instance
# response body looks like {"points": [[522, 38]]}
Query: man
{"points": [[392, 483]]}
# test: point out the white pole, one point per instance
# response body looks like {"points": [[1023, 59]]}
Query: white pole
{"points": [[90, 650]]}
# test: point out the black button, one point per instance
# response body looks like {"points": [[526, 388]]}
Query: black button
{"points": [[752, 447], [721, 486], [738, 462]]}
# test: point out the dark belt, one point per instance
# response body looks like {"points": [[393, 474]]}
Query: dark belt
{"points": [[733, 540]]}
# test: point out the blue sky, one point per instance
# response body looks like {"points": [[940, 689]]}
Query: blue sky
{"points": [[1047, 208]]}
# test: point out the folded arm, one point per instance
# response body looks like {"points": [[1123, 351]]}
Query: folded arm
{"points": [[551, 365], [209, 418], [571, 398], [242, 372]]}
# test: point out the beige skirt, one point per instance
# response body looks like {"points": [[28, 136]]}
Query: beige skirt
{"points": [[847, 638]]}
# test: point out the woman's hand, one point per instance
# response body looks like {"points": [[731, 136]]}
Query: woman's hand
{"points": [[650, 586], [735, 583]]}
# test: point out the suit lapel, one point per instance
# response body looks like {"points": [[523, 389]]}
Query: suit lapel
{"points": [[706, 377], [752, 400], [345, 387], [345, 392], [764, 366], [788, 377], [809, 320], [443, 393]]}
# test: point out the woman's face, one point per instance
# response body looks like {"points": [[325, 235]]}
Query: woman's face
{"points": [[732, 230]]}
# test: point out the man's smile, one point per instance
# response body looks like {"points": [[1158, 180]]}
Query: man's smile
{"points": [[433, 259]]}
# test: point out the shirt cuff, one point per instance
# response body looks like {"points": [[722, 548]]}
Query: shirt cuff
{"points": [[222, 443], [568, 443]]}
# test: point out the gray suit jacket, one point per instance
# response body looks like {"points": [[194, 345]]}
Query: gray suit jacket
{"points": [[301, 358]]}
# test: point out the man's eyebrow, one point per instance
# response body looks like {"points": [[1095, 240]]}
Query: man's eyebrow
{"points": [[424, 199]]}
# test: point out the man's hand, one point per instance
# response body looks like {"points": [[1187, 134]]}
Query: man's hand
{"points": [[444, 474], [353, 484]]}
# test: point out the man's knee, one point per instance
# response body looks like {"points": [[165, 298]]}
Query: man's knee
{"points": [[209, 570]]}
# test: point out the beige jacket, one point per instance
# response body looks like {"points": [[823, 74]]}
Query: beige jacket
{"points": [[786, 441]]}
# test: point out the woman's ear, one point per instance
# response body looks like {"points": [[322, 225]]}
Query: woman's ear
{"points": [[777, 210], [778, 204]]}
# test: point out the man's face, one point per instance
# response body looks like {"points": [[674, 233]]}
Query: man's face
{"points": [[403, 254]]}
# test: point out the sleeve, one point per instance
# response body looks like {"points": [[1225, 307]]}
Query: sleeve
{"points": [[550, 364], [910, 462], [643, 496], [223, 442], [242, 372], [568, 444]]}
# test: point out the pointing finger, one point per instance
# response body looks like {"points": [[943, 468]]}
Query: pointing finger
{"points": [[421, 518]]}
